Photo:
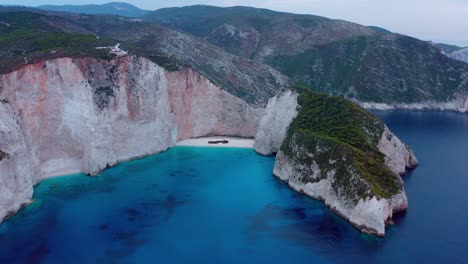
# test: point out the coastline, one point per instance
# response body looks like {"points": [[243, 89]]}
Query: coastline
{"points": [[60, 173], [234, 142], [459, 105]]}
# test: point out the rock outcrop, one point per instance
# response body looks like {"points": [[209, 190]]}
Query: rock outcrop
{"points": [[398, 156], [70, 115], [461, 55], [16, 174], [280, 112], [357, 179], [368, 213]]}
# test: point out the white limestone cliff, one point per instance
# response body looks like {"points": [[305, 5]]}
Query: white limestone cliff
{"points": [[398, 156], [280, 112], [16, 174], [83, 115], [370, 214]]}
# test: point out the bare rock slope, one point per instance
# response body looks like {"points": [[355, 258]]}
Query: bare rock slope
{"points": [[461, 55]]}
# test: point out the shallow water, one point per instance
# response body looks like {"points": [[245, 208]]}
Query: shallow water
{"points": [[193, 205]]}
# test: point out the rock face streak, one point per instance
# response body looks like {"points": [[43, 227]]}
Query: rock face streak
{"points": [[369, 215], [69, 115]]}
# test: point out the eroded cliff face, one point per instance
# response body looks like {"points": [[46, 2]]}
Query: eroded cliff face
{"points": [[202, 109], [369, 214], [461, 55], [347, 194], [398, 156], [16, 174], [324, 169], [83, 115], [280, 112]]}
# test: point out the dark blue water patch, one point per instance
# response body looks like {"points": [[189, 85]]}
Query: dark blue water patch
{"points": [[208, 205], [435, 227]]}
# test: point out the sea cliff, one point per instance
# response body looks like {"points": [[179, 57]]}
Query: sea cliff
{"points": [[86, 114]]}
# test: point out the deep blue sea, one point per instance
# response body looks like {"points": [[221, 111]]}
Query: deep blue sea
{"points": [[205, 205]]}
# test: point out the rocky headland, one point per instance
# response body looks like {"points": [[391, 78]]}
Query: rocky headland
{"points": [[331, 149]]}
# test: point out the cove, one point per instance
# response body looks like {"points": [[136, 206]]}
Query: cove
{"points": [[194, 205]]}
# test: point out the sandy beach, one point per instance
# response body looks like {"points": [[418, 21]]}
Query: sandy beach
{"points": [[233, 142], [60, 173]]}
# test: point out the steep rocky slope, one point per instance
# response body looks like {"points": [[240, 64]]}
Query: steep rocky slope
{"points": [[16, 173], [335, 151], [69, 115], [447, 48], [256, 33], [280, 112], [461, 55], [366, 64], [388, 71]]}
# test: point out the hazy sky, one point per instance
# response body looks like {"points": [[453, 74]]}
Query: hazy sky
{"points": [[437, 20]]}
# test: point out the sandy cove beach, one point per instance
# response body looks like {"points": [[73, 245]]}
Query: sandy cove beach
{"points": [[60, 173], [233, 142]]}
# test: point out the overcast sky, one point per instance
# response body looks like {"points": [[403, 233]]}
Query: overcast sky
{"points": [[437, 20]]}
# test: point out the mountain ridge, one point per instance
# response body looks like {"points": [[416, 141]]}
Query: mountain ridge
{"points": [[111, 8], [365, 64]]}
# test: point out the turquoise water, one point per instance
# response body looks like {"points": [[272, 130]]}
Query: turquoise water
{"points": [[204, 205]]}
